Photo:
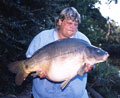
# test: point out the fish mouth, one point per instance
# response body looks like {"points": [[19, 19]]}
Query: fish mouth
{"points": [[106, 57]]}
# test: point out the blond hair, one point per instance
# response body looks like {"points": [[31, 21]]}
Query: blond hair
{"points": [[68, 13]]}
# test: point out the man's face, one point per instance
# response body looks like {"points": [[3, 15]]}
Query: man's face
{"points": [[68, 27]]}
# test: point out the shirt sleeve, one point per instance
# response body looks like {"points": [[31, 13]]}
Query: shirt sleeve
{"points": [[39, 41], [83, 37], [34, 46]]}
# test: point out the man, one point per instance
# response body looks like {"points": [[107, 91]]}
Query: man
{"points": [[65, 27]]}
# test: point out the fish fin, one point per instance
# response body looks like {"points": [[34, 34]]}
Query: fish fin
{"points": [[64, 84], [81, 70], [20, 77], [15, 66], [18, 68]]}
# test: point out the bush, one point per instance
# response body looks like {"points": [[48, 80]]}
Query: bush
{"points": [[105, 79]]}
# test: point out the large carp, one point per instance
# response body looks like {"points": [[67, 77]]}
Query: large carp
{"points": [[60, 60]]}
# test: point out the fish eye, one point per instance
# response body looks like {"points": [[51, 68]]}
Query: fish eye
{"points": [[98, 50]]}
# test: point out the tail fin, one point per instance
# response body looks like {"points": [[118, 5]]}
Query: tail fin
{"points": [[18, 67], [15, 66], [20, 77]]}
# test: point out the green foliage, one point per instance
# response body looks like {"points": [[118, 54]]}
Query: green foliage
{"points": [[105, 79], [114, 33]]}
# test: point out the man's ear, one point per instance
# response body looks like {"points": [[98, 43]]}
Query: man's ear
{"points": [[59, 22]]}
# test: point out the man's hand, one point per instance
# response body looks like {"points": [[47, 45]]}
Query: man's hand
{"points": [[40, 73], [88, 68]]}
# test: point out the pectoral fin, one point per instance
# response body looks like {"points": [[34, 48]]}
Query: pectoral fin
{"points": [[81, 70], [64, 84]]}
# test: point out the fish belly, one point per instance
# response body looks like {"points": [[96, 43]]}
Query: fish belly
{"points": [[64, 67]]}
